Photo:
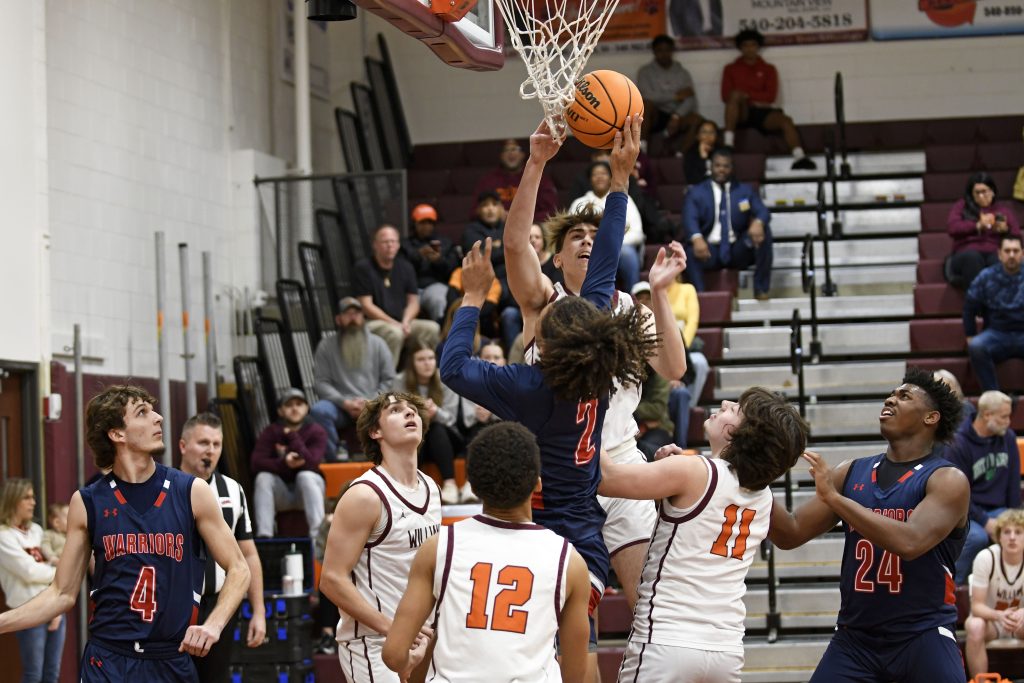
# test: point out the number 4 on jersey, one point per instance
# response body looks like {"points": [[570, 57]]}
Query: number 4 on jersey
{"points": [[143, 598]]}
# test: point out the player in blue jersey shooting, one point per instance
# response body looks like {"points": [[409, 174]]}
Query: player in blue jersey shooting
{"points": [[904, 513], [149, 527]]}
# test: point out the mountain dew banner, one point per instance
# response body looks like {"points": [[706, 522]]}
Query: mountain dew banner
{"points": [[712, 23], [901, 19]]}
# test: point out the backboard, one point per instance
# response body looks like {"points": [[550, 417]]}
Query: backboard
{"points": [[474, 42]]}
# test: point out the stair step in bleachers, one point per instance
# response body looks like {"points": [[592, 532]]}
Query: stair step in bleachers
{"points": [[853, 252], [861, 164], [931, 271], [862, 279], [822, 379], [773, 342], [820, 558], [829, 308], [856, 222], [846, 418], [804, 606], [942, 335], [791, 660], [934, 215], [848, 191], [939, 299]]}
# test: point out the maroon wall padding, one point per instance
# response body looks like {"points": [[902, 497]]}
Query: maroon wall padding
{"points": [[1000, 156], [946, 158], [609, 660], [930, 271], [900, 134], [715, 307], [439, 155], [485, 152], [463, 180], [749, 167], [723, 280], [453, 208], [944, 187], [943, 335], [671, 196], [934, 215], [564, 173], [934, 245], [669, 170], [616, 617], [712, 337], [938, 299], [427, 182]]}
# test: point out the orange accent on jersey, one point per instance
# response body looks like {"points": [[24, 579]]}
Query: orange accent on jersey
{"points": [[595, 598], [160, 499], [950, 598], [720, 547], [503, 618], [480, 575], [537, 500], [120, 497], [906, 475], [195, 616]]}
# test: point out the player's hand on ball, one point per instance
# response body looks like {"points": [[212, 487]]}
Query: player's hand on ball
{"points": [[822, 474], [199, 639], [625, 150], [543, 145], [667, 266]]}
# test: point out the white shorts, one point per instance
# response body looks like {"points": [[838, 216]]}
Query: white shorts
{"points": [[629, 522], [361, 661], [671, 664]]}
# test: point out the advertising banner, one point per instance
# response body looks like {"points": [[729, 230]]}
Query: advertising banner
{"points": [[902, 19]]}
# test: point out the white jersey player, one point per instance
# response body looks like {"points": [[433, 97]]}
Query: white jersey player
{"points": [[382, 520], [997, 590], [498, 586], [571, 236], [713, 514]]}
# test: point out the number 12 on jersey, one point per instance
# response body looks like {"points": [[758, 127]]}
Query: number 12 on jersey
{"points": [[519, 582]]}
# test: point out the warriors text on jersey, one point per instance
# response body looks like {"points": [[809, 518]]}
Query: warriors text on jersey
{"points": [[692, 585], [880, 591], [407, 519], [500, 588], [149, 565]]}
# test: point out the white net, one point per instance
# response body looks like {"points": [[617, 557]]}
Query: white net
{"points": [[555, 39]]}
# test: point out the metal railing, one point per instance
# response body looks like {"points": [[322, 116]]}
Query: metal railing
{"points": [[844, 166], [828, 288], [808, 275]]}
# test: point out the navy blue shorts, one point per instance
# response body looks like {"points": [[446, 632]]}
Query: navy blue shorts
{"points": [[854, 656], [101, 665]]}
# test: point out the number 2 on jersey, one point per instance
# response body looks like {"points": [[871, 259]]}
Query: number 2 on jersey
{"points": [[890, 570], [721, 545], [143, 598], [586, 412], [520, 587]]}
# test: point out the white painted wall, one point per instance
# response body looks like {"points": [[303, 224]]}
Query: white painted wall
{"points": [[24, 258], [884, 80]]}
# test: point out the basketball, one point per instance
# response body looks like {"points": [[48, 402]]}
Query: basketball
{"points": [[602, 102]]}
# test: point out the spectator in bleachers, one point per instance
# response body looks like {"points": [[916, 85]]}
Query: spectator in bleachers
{"points": [[286, 466], [473, 417], [504, 181], [670, 101], [967, 411], [986, 451], [433, 257], [697, 159], [420, 376], [726, 225], [657, 228], [976, 223], [750, 87], [348, 369], [490, 222], [385, 285], [547, 264], [995, 595], [633, 243], [997, 294]]}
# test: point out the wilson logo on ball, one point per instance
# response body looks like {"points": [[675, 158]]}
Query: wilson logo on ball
{"points": [[601, 103]]}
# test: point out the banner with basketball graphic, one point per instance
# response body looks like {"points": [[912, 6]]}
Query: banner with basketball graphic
{"points": [[712, 23], [903, 19]]}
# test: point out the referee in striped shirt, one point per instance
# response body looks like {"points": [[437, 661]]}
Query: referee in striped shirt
{"points": [[201, 443]]}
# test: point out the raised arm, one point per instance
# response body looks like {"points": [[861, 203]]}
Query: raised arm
{"points": [[943, 508], [530, 287], [413, 611], [669, 359], [221, 544], [60, 595], [681, 476]]}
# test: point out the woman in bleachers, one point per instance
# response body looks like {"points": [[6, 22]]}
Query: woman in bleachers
{"points": [[976, 222], [420, 376], [697, 159]]}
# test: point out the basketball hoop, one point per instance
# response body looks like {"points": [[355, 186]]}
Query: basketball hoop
{"points": [[555, 38]]}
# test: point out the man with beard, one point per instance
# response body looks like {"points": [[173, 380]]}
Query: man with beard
{"points": [[985, 449], [348, 368], [146, 525], [201, 444], [386, 287], [286, 464]]}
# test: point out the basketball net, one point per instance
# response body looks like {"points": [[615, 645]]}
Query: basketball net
{"points": [[555, 38]]}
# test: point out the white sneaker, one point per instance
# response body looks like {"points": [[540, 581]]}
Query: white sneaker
{"points": [[449, 493], [466, 494]]}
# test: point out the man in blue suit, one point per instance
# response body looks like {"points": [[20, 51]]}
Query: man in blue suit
{"points": [[720, 206]]}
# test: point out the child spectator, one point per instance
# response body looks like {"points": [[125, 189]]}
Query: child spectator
{"points": [[56, 535], [997, 584]]}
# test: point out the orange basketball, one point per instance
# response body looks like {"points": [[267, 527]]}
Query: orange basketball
{"points": [[603, 100]]}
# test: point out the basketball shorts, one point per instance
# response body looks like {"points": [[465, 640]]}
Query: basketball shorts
{"points": [[361, 661], [756, 116], [629, 522], [103, 665], [854, 656], [652, 663]]}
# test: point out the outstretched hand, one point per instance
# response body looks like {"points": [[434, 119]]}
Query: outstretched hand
{"points": [[543, 145], [822, 474], [625, 150], [667, 266], [477, 274]]}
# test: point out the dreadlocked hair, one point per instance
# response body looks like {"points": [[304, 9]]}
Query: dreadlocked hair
{"points": [[768, 441], [586, 349], [942, 399]]}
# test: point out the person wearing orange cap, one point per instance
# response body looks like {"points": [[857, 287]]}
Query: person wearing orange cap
{"points": [[434, 257]]}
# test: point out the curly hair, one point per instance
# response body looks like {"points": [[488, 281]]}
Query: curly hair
{"points": [[941, 398], [106, 411], [1011, 517], [768, 440], [558, 225], [369, 419], [585, 349], [503, 465]]}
